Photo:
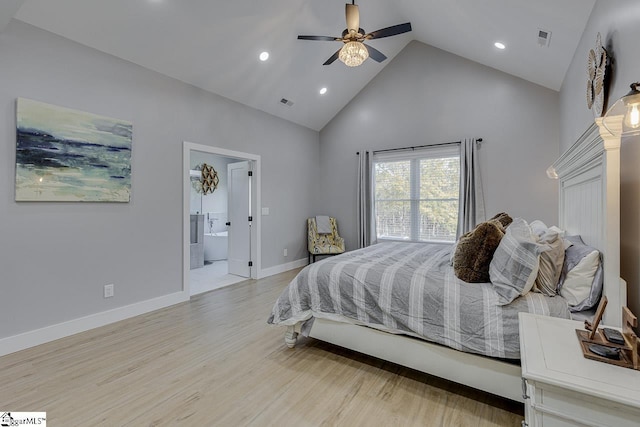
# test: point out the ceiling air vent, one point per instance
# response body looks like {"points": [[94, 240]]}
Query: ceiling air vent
{"points": [[286, 102], [544, 37]]}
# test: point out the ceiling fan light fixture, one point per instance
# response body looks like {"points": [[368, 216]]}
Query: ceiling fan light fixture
{"points": [[353, 53]]}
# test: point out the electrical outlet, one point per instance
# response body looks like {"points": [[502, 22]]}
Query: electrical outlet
{"points": [[285, 251], [109, 290]]}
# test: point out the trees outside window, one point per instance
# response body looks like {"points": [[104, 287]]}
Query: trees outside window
{"points": [[417, 197]]}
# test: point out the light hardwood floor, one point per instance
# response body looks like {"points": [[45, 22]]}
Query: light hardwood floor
{"points": [[215, 362]]}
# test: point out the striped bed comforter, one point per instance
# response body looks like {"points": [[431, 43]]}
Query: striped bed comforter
{"points": [[410, 288]]}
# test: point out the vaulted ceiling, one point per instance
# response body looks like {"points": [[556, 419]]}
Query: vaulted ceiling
{"points": [[214, 45]]}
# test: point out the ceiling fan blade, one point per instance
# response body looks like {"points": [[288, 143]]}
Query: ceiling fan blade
{"points": [[353, 18], [390, 31], [333, 58], [319, 38], [375, 54]]}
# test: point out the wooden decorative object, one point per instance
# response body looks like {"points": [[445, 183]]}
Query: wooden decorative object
{"points": [[628, 351], [209, 179], [596, 321], [629, 321], [597, 67]]}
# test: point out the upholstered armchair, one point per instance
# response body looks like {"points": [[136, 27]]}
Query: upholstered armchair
{"points": [[323, 243]]}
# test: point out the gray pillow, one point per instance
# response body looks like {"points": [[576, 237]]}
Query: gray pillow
{"points": [[572, 256], [515, 263]]}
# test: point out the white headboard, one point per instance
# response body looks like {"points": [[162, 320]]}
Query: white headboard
{"points": [[589, 178]]}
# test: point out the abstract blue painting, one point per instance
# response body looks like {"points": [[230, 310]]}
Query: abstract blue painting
{"points": [[65, 155]]}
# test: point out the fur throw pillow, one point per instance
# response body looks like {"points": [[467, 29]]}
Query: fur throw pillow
{"points": [[474, 250], [503, 218]]}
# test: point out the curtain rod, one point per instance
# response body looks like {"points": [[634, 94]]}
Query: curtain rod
{"points": [[417, 146]]}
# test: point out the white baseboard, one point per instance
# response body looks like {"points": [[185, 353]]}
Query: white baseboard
{"points": [[277, 269], [49, 333]]}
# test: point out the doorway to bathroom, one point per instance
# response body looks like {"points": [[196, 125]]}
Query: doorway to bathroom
{"points": [[221, 189]]}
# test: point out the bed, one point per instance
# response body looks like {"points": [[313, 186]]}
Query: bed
{"points": [[461, 334], [411, 289]]}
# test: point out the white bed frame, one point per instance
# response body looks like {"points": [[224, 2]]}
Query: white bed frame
{"points": [[589, 187]]}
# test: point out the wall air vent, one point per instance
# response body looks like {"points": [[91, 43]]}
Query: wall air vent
{"points": [[286, 102], [544, 37]]}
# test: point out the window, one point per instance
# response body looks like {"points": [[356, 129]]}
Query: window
{"points": [[416, 194]]}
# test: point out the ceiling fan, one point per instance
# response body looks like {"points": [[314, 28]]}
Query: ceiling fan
{"points": [[354, 52]]}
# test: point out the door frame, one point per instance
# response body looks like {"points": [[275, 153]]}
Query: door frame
{"points": [[256, 247]]}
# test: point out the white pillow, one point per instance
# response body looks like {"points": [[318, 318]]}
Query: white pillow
{"points": [[577, 284], [560, 232], [538, 228]]}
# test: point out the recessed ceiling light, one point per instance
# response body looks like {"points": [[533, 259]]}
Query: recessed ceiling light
{"points": [[323, 91], [499, 45], [264, 56]]}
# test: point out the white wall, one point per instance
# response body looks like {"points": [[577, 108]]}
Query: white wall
{"points": [[426, 96], [618, 22], [56, 257]]}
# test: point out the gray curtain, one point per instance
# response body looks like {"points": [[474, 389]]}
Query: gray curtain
{"points": [[366, 223], [471, 208]]}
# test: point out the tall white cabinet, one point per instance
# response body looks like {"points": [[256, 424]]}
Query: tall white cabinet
{"points": [[563, 388]]}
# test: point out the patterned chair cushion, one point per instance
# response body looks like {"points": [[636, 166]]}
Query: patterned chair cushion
{"points": [[324, 243]]}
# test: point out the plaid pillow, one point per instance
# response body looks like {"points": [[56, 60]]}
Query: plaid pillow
{"points": [[514, 266]]}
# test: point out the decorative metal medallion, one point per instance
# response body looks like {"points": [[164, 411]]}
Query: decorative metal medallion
{"points": [[208, 181], [597, 63]]}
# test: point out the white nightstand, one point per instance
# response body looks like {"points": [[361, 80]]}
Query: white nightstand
{"points": [[564, 388]]}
